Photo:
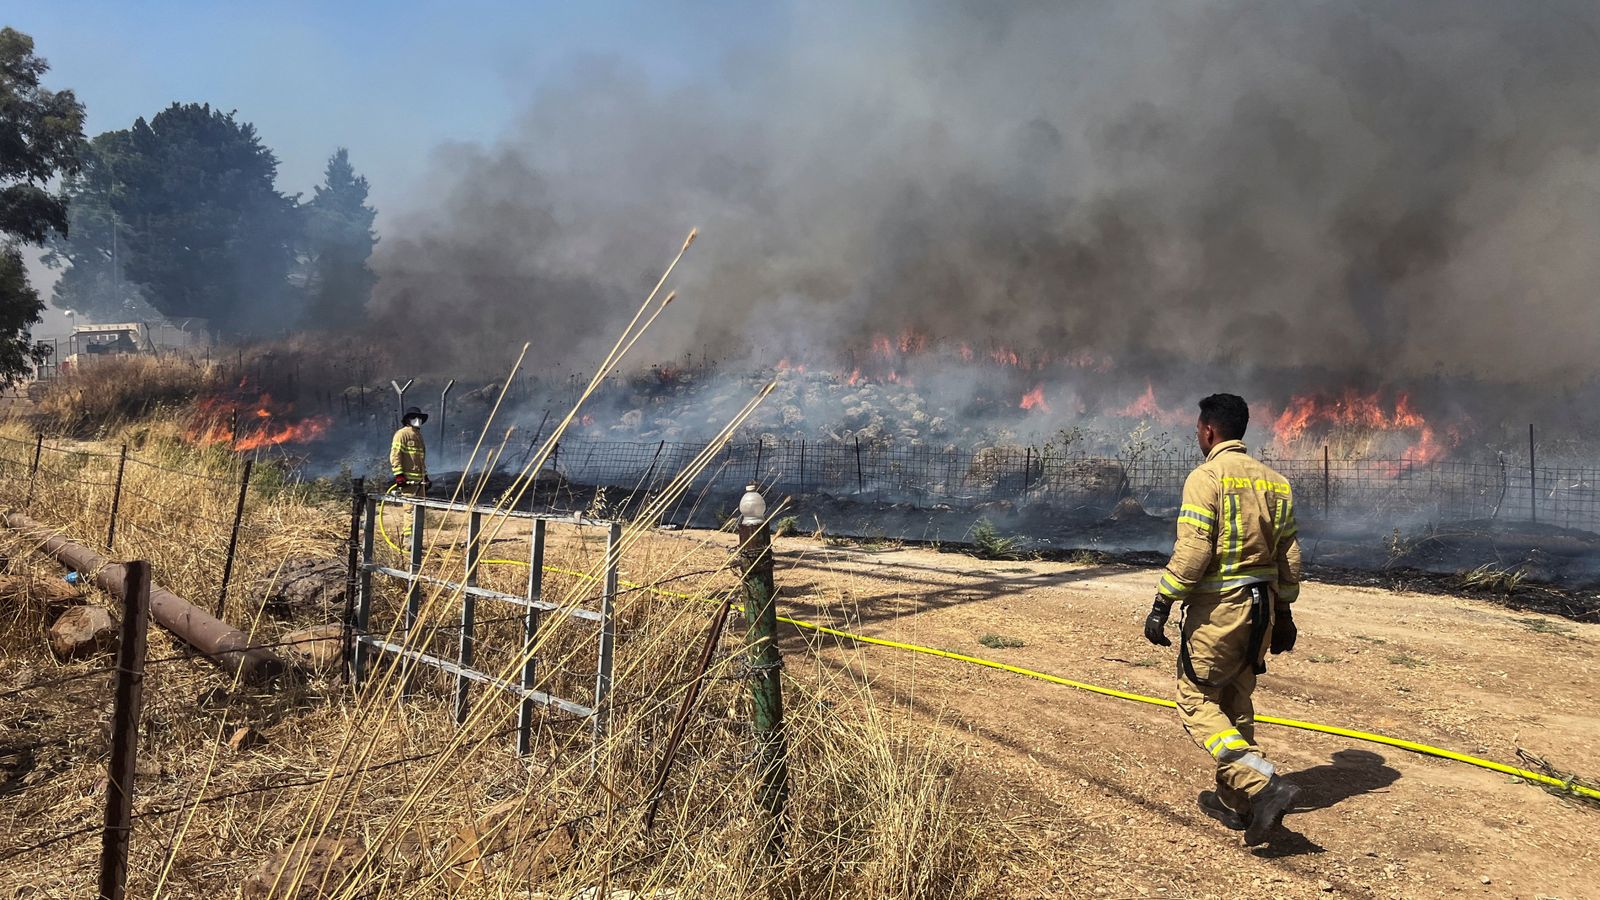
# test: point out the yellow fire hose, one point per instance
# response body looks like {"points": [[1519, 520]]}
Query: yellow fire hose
{"points": [[1414, 747]]}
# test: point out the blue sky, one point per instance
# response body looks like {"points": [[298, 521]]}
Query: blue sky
{"points": [[391, 81]]}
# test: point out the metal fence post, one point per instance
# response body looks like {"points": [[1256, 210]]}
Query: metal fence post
{"points": [[413, 586], [530, 634], [116, 499], [861, 481], [465, 647], [118, 822], [802, 465], [1533, 480], [33, 470], [608, 632], [1327, 480], [444, 397], [765, 663], [233, 537], [352, 578], [364, 589]]}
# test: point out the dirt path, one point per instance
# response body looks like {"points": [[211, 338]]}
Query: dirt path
{"points": [[1107, 788]]}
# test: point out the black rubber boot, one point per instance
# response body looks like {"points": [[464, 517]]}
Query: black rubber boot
{"points": [[1267, 809], [1212, 805]]}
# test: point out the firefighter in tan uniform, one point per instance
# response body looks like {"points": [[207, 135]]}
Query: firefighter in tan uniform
{"points": [[408, 459], [1235, 569]]}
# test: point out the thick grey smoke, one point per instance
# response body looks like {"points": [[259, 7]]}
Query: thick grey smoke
{"points": [[1384, 188]]}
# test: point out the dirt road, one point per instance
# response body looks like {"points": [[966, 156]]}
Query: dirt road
{"points": [[1106, 789]]}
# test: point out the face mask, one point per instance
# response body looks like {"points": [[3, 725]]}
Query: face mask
{"points": [[414, 422]]}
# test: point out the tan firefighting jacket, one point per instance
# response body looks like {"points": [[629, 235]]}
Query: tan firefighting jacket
{"points": [[1236, 527], [407, 455]]}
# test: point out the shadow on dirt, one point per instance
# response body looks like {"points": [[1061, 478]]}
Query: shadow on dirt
{"points": [[1350, 774]]}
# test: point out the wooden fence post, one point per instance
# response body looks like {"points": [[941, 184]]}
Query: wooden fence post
{"points": [[118, 823]]}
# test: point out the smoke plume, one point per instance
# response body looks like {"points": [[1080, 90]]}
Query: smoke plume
{"points": [[1375, 188]]}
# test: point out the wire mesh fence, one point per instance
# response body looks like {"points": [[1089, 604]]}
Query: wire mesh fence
{"points": [[1563, 496]]}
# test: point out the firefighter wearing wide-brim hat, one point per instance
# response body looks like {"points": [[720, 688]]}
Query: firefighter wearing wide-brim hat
{"points": [[1236, 571], [408, 455]]}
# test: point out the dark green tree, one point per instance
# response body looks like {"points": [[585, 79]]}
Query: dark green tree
{"points": [[338, 241], [93, 280], [41, 133], [208, 234]]}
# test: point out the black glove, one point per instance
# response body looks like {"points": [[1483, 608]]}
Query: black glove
{"points": [[400, 479], [1283, 630], [1155, 624]]}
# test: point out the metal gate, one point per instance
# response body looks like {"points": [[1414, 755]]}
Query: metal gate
{"points": [[467, 592]]}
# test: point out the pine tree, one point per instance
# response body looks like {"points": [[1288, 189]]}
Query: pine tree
{"points": [[338, 241]]}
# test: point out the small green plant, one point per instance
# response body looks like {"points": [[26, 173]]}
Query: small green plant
{"points": [[1370, 640], [1086, 557], [1407, 660], [785, 526], [989, 543], [1324, 658], [1491, 578], [999, 642], [1545, 626]]}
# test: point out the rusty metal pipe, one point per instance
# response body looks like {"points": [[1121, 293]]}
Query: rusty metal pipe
{"points": [[224, 645]]}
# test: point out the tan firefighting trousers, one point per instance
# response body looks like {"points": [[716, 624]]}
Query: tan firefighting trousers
{"points": [[1216, 676], [409, 489]]}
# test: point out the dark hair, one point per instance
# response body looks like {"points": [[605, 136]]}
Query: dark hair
{"points": [[1227, 413]]}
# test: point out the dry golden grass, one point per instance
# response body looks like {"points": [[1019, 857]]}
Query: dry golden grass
{"points": [[876, 808], [107, 393]]}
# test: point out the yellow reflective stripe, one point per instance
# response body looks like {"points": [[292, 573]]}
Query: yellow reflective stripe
{"points": [[1250, 575], [1232, 536], [1199, 515], [1230, 739], [1172, 587], [1287, 527]]}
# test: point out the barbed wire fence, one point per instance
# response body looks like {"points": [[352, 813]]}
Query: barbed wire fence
{"points": [[191, 514]]}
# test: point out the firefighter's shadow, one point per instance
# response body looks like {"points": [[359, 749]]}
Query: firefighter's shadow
{"points": [[1350, 774]]}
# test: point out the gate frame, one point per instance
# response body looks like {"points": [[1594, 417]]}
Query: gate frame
{"points": [[533, 603]]}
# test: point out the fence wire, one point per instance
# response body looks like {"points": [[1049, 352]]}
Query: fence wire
{"points": [[925, 476]]}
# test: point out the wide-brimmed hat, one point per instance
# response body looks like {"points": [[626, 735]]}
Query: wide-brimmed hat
{"points": [[414, 411]]}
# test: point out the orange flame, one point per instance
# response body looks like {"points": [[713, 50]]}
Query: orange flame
{"points": [[264, 423], [1146, 407], [1034, 399], [1352, 409]]}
